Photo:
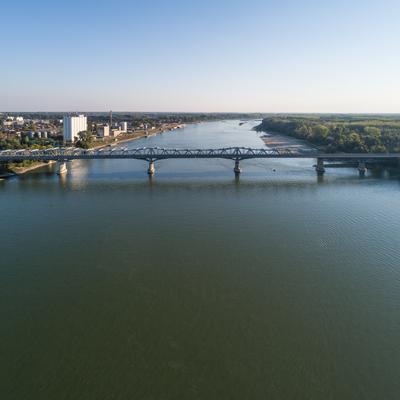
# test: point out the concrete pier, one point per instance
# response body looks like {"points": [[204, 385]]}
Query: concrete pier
{"points": [[237, 169], [320, 166], [362, 168], [151, 170], [62, 168]]}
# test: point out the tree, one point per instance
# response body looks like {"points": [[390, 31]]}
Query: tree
{"points": [[85, 140], [320, 133], [373, 131]]}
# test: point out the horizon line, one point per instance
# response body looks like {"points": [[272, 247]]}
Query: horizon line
{"points": [[207, 112]]}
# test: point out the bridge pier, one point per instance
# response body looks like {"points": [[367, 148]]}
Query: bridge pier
{"points": [[320, 166], [237, 169], [362, 168], [3, 166], [151, 170], [61, 168]]}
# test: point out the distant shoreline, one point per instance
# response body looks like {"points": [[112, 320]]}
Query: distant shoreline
{"points": [[138, 135]]}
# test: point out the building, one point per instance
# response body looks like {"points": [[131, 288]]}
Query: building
{"points": [[73, 124], [103, 131], [115, 132], [123, 127]]}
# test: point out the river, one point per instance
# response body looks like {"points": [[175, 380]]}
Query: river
{"points": [[197, 285]]}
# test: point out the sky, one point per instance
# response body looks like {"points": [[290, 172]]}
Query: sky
{"points": [[201, 56]]}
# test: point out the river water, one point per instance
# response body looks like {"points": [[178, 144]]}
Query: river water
{"points": [[196, 285]]}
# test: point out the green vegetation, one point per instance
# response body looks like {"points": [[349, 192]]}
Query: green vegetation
{"points": [[26, 143], [340, 133], [85, 140], [15, 166], [23, 143]]}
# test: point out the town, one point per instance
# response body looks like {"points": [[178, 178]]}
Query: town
{"points": [[76, 129], [38, 131]]}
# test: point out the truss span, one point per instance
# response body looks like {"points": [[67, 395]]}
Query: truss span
{"points": [[157, 153]]}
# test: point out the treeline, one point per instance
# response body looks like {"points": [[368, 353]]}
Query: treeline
{"points": [[339, 134], [22, 143], [26, 143], [139, 117]]}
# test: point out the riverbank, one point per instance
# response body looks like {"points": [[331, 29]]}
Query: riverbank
{"points": [[278, 141], [14, 170], [24, 170], [139, 134], [339, 133]]}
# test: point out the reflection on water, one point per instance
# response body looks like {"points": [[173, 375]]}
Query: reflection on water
{"points": [[197, 284]]}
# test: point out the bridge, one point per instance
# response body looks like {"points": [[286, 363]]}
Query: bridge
{"points": [[152, 154]]}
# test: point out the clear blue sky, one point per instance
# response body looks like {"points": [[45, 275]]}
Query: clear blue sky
{"points": [[220, 55]]}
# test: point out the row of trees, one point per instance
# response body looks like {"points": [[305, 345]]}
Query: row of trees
{"points": [[25, 142], [22, 143], [85, 140], [338, 136]]}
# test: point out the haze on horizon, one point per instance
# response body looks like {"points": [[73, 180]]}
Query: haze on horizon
{"points": [[209, 56]]}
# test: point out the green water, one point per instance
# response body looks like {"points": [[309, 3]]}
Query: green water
{"points": [[195, 285]]}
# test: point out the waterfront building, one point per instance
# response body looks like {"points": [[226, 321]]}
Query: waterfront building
{"points": [[123, 127], [115, 132], [103, 131], [73, 124]]}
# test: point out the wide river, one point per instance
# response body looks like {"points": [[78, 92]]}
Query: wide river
{"points": [[197, 285]]}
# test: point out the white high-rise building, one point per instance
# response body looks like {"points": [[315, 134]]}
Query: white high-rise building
{"points": [[73, 124]]}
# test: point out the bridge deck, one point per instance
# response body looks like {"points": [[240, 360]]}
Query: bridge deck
{"points": [[155, 153]]}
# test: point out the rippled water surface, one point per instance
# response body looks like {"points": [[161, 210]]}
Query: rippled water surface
{"points": [[196, 285]]}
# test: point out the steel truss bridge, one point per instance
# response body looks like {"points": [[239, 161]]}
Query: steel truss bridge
{"points": [[152, 154]]}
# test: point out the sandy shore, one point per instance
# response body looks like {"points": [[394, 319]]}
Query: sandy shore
{"points": [[279, 141], [24, 170]]}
